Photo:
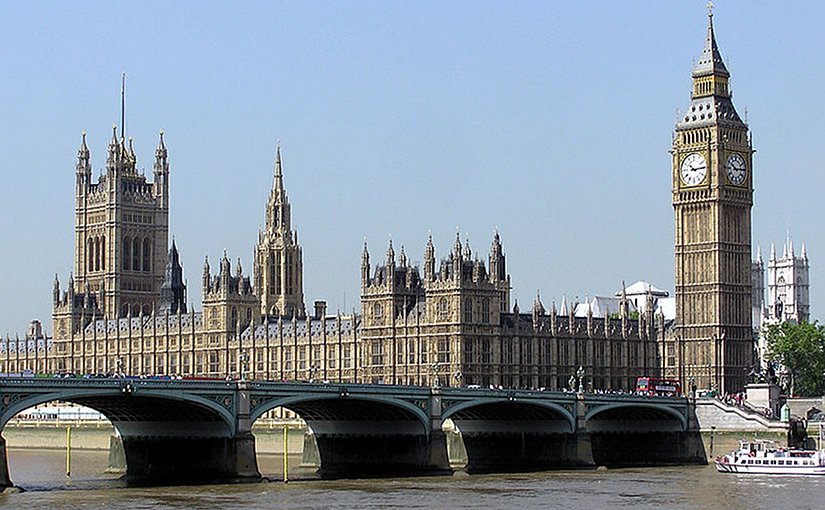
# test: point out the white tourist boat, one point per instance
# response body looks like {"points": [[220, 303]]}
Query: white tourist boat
{"points": [[759, 456]]}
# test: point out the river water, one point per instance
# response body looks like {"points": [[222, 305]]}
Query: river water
{"points": [[42, 472]]}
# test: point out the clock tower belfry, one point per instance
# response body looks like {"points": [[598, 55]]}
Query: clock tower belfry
{"points": [[712, 343]]}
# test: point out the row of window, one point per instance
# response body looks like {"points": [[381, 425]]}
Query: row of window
{"points": [[772, 462], [146, 219], [442, 311], [137, 254]]}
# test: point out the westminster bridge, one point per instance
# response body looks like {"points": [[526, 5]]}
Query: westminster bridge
{"points": [[200, 431]]}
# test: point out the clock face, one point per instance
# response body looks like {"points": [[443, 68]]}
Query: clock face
{"points": [[736, 170], [694, 169]]}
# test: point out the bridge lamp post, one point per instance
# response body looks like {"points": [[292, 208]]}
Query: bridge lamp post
{"points": [[243, 358], [580, 375], [313, 371], [692, 386], [434, 368], [458, 376], [119, 366]]}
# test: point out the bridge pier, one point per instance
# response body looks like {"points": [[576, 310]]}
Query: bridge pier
{"points": [[190, 459], [351, 455], [5, 480], [506, 452]]}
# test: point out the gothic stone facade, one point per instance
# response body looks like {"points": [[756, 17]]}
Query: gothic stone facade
{"points": [[125, 309], [454, 326]]}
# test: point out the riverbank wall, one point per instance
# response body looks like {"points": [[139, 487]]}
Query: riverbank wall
{"points": [[269, 438]]}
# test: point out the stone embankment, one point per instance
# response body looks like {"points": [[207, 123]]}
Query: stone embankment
{"points": [[713, 414]]}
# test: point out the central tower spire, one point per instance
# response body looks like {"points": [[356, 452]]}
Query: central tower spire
{"points": [[278, 210], [278, 257]]}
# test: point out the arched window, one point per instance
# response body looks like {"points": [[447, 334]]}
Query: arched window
{"points": [[443, 309], [136, 254], [127, 254], [147, 255], [125, 311], [277, 273], [97, 254], [377, 314], [272, 274], [90, 255], [468, 311], [103, 253]]}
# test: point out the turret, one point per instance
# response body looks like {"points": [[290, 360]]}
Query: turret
{"points": [[390, 266], [402, 259], [457, 257], [87, 295], [497, 269], [538, 311], [206, 275], [429, 260], [112, 154], [173, 290], [365, 265], [56, 291], [161, 172], [83, 169], [226, 270]]}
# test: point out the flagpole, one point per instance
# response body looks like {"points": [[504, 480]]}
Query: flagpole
{"points": [[123, 105]]}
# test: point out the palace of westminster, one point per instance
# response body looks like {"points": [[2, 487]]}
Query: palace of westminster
{"points": [[123, 309]]}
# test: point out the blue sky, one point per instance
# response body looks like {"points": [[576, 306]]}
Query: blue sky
{"points": [[549, 120]]}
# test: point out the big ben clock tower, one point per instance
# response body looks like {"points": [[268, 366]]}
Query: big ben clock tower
{"points": [[712, 199]]}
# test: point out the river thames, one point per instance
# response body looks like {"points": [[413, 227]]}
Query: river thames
{"points": [[42, 473]]}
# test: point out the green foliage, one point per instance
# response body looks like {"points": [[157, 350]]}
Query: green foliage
{"points": [[800, 348], [633, 315]]}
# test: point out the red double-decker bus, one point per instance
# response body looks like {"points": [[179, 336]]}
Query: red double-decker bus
{"points": [[658, 387]]}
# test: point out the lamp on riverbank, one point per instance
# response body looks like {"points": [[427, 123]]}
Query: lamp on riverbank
{"points": [[712, 430]]}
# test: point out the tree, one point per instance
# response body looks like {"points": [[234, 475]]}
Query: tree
{"points": [[800, 350]]}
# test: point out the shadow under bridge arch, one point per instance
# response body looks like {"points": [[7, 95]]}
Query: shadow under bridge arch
{"points": [[496, 435], [637, 434], [364, 435]]}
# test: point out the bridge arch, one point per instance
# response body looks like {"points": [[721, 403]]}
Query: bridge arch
{"points": [[467, 410], [360, 430], [170, 431], [119, 406], [315, 408], [505, 434], [662, 415]]}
